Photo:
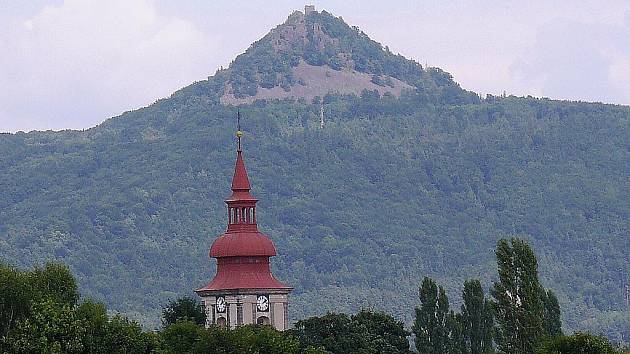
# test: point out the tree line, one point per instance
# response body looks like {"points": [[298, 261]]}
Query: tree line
{"points": [[40, 312]]}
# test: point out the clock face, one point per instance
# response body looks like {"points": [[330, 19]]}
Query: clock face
{"points": [[262, 303], [220, 304]]}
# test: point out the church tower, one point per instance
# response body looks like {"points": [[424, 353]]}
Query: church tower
{"points": [[243, 290]]}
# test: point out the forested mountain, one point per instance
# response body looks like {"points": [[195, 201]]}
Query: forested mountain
{"points": [[398, 185]]}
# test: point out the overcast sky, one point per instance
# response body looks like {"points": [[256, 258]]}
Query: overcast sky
{"points": [[73, 64]]}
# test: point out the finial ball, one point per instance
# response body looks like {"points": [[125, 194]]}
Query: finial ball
{"points": [[239, 133]]}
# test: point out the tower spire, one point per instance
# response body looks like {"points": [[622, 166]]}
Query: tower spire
{"points": [[239, 132], [243, 281], [240, 182]]}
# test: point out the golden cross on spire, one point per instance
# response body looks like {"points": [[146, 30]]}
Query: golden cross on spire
{"points": [[239, 132]]}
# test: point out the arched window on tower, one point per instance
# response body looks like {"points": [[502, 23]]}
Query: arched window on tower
{"points": [[221, 322], [262, 320]]}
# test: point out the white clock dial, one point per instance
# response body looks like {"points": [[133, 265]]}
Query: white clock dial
{"points": [[262, 303], [220, 304]]}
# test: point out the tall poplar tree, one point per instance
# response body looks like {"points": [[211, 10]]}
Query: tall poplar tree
{"points": [[552, 321], [430, 325], [456, 335], [518, 298], [476, 318]]}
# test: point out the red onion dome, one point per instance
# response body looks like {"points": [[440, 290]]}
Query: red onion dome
{"points": [[242, 244]]}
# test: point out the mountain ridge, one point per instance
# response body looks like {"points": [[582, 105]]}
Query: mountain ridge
{"points": [[324, 46]]}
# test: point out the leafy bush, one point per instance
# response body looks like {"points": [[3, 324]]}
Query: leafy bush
{"points": [[578, 343]]}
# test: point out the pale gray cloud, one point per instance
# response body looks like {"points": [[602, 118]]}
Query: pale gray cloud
{"points": [[72, 64], [578, 60]]}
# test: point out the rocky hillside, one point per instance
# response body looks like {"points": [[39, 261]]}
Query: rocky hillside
{"points": [[316, 54]]}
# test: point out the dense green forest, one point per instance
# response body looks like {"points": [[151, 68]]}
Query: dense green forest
{"points": [[391, 190]]}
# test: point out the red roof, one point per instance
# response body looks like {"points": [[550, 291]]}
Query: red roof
{"points": [[240, 181], [235, 244], [244, 273], [242, 252]]}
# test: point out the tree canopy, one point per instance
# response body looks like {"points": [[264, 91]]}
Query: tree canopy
{"points": [[183, 309], [578, 343], [365, 332]]}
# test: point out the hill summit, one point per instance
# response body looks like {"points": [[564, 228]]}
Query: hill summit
{"points": [[314, 54]]}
